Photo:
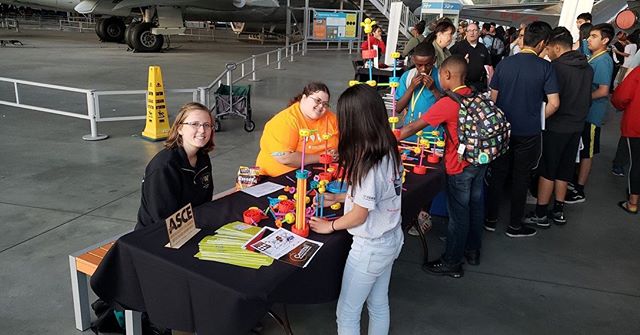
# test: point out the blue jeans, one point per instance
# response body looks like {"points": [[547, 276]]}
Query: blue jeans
{"points": [[466, 213], [366, 278]]}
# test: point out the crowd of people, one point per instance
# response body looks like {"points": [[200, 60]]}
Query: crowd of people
{"points": [[553, 92]]}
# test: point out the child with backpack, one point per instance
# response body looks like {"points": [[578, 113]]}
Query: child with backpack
{"points": [[477, 132], [369, 155]]}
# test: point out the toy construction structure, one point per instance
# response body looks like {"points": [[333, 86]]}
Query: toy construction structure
{"points": [[427, 144], [297, 211]]}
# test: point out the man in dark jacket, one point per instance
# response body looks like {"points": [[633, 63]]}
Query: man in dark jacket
{"points": [[477, 57], [561, 136]]}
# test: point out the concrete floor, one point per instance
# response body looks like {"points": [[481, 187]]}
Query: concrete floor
{"points": [[61, 194]]}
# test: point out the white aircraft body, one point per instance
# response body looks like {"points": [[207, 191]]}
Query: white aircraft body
{"points": [[149, 20]]}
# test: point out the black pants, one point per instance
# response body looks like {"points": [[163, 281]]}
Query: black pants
{"points": [[633, 147], [522, 157], [622, 153]]}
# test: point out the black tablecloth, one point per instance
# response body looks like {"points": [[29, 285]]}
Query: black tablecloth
{"points": [[181, 292], [380, 76]]}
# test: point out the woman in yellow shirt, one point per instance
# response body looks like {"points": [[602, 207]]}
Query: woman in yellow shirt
{"points": [[281, 145]]}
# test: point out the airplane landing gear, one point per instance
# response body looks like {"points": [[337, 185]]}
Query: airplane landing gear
{"points": [[140, 38], [110, 29]]}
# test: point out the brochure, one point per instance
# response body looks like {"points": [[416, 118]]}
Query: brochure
{"points": [[227, 246], [284, 246], [263, 189]]}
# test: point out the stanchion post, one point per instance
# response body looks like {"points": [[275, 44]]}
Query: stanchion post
{"points": [[279, 59], [253, 69], [91, 112], [291, 53]]}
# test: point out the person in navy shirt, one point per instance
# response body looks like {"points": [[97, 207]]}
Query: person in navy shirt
{"points": [[519, 86]]}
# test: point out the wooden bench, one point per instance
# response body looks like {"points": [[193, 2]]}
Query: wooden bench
{"points": [[82, 265]]}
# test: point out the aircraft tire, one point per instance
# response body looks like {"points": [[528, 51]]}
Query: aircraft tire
{"points": [[128, 36], [143, 40], [99, 30], [111, 29]]}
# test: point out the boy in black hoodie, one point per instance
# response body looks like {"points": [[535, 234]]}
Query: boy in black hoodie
{"points": [[561, 136]]}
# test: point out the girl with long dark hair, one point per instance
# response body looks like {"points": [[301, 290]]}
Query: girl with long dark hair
{"points": [[372, 168]]}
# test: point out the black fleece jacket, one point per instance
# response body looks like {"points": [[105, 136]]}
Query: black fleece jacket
{"points": [[574, 78], [170, 183]]}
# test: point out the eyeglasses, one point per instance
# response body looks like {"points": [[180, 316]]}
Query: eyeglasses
{"points": [[319, 101], [196, 125]]}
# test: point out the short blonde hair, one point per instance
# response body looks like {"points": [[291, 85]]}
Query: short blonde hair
{"points": [[175, 139]]}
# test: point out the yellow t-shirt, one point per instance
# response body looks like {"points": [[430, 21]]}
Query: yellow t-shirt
{"points": [[280, 135]]}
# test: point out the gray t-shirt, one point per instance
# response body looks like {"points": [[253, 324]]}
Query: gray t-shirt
{"points": [[380, 193]]}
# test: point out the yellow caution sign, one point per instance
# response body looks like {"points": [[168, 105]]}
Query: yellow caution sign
{"points": [[157, 127]]}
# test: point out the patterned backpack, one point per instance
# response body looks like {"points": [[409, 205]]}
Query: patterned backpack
{"points": [[483, 130]]}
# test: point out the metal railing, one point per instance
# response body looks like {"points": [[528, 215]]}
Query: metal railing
{"points": [[92, 103], [234, 72], [247, 68], [9, 23], [79, 23]]}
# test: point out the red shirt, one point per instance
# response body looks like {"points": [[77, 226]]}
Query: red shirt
{"points": [[446, 111], [374, 41], [626, 97]]}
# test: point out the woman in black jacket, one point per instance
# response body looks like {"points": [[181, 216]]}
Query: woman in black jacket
{"points": [[181, 172]]}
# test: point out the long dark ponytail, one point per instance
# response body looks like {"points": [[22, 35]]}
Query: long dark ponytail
{"points": [[365, 136]]}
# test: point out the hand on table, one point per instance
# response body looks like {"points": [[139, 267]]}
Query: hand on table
{"points": [[320, 226]]}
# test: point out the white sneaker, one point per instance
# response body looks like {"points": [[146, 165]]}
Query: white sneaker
{"points": [[531, 200]]}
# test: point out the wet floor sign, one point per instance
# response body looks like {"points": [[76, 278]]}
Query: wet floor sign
{"points": [[157, 125]]}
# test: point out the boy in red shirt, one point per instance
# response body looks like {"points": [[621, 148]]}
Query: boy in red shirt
{"points": [[626, 97], [464, 181]]}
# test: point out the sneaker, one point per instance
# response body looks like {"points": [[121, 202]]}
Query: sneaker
{"points": [[533, 219], [574, 196], [559, 218], [617, 171], [490, 225], [570, 186], [440, 268], [524, 231], [531, 199]]}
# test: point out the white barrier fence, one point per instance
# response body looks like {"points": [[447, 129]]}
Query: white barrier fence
{"points": [[246, 67]]}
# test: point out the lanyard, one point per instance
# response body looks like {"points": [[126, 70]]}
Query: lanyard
{"points": [[414, 100], [528, 51], [597, 55], [458, 88]]}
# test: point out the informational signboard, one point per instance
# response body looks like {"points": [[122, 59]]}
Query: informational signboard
{"points": [[181, 227], [336, 26], [435, 9], [441, 7]]}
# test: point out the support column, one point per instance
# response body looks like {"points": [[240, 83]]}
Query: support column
{"points": [[570, 11]]}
